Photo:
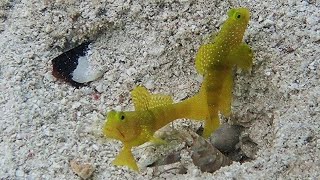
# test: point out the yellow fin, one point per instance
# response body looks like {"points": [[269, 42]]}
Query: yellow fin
{"points": [[225, 98], [140, 96], [125, 158], [158, 141], [210, 125], [241, 56], [205, 57], [147, 132], [143, 100], [210, 92]]}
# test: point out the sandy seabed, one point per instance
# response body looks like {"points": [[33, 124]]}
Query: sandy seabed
{"points": [[45, 124]]}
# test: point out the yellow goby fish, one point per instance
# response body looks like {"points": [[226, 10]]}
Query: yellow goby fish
{"points": [[215, 61], [152, 112]]}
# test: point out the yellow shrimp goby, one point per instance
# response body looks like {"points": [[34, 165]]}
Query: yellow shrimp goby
{"points": [[152, 112], [215, 61]]}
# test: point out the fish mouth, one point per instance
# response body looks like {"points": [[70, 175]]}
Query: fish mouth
{"points": [[114, 133], [120, 133]]}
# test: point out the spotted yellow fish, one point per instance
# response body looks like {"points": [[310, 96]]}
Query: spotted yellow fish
{"points": [[215, 61], [151, 113]]}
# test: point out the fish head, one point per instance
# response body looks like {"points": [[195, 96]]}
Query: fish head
{"points": [[240, 16], [122, 126]]}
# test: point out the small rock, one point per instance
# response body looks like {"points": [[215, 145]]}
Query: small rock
{"points": [[84, 170], [312, 66], [149, 84], [268, 23], [95, 147], [131, 71], [19, 173], [76, 105], [226, 137]]}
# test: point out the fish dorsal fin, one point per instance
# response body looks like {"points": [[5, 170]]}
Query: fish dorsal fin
{"points": [[140, 96], [143, 100], [157, 100]]}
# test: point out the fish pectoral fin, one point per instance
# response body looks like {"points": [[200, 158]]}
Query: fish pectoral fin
{"points": [[125, 158], [149, 135], [204, 58], [143, 100], [158, 141], [242, 56]]}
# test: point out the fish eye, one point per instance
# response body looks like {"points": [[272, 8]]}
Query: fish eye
{"points": [[237, 15], [120, 116]]}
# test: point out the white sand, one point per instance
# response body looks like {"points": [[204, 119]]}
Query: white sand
{"points": [[45, 124]]}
